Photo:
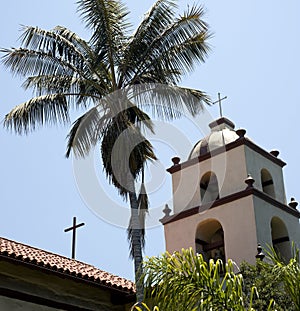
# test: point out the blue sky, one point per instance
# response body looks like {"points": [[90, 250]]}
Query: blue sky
{"points": [[254, 61]]}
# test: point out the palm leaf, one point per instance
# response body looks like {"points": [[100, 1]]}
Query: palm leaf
{"points": [[188, 31], [26, 62], [93, 65], [157, 18], [110, 117], [54, 52], [86, 132], [81, 91], [108, 23], [79, 44], [168, 102], [56, 46], [124, 151], [42, 110]]}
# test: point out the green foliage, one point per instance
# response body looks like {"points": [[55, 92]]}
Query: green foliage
{"points": [[143, 307], [289, 274], [269, 286], [184, 281]]}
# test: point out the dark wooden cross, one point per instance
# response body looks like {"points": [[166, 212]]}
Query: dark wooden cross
{"points": [[219, 101], [73, 228]]}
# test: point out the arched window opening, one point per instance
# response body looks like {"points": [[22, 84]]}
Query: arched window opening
{"points": [[209, 188], [280, 239], [267, 183], [210, 240]]}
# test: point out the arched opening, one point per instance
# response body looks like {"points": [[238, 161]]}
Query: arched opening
{"points": [[210, 240], [267, 182], [280, 239], [209, 188]]}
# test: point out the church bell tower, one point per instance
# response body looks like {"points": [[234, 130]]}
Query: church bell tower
{"points": [[229, 196]]}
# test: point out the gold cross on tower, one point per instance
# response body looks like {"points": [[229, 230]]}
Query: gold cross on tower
{"points": [[219, 101]]}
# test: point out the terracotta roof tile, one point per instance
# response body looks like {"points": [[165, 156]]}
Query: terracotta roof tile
{"points": [[81, 270]]}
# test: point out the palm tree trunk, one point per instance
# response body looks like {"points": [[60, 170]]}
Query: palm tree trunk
{"points": [[136, 241]]}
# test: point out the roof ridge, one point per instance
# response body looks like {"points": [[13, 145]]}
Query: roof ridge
{"points": [[46, 251]]}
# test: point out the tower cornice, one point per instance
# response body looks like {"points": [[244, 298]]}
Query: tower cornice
{"points": [[230, 198], [239, 142]]}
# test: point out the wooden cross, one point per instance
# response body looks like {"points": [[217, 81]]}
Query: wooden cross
{"points": [[219, 101], [74, 227]]}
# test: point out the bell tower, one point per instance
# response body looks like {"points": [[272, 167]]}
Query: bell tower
{"points": [[229, 196]]}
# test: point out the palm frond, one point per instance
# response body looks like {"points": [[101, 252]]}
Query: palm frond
{"points": [[124, 151], [26, 62], [79, 44], [183, 57], [107, 19], [72, 134], [168, 102], [52, 43], [93, 65], [157, 18], [86, 132], [159, 61], [58, 51], [42, 110], [83, 91], [107, 119]]}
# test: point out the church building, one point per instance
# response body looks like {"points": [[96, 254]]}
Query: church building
{"points": [[32, 279], [228, 197]]}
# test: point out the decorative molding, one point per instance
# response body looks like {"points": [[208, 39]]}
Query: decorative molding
{"points": [[228, 199], [239, 142]]}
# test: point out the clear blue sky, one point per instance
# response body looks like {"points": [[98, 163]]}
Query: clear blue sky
{"points": [[254, 61]]}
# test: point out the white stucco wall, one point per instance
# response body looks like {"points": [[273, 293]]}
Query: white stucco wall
{"points": [[264, 212], [238, 222], [231, 172], [255, 162]]}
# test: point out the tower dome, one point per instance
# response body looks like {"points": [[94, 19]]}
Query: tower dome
{"points": [[222, 133]]}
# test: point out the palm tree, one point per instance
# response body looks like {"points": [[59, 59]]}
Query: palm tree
{"points": [[113, 77]]}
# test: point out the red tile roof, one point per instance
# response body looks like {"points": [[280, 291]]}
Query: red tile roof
{"points": [[40, 258]]}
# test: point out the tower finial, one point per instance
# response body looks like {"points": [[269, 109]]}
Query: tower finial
{"points": [[219, 101]]}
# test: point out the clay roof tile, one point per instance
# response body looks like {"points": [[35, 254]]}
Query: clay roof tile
{"points": [[81, 270]]}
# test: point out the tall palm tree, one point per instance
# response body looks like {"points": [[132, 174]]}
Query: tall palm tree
{"points": [[113, 77]]}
